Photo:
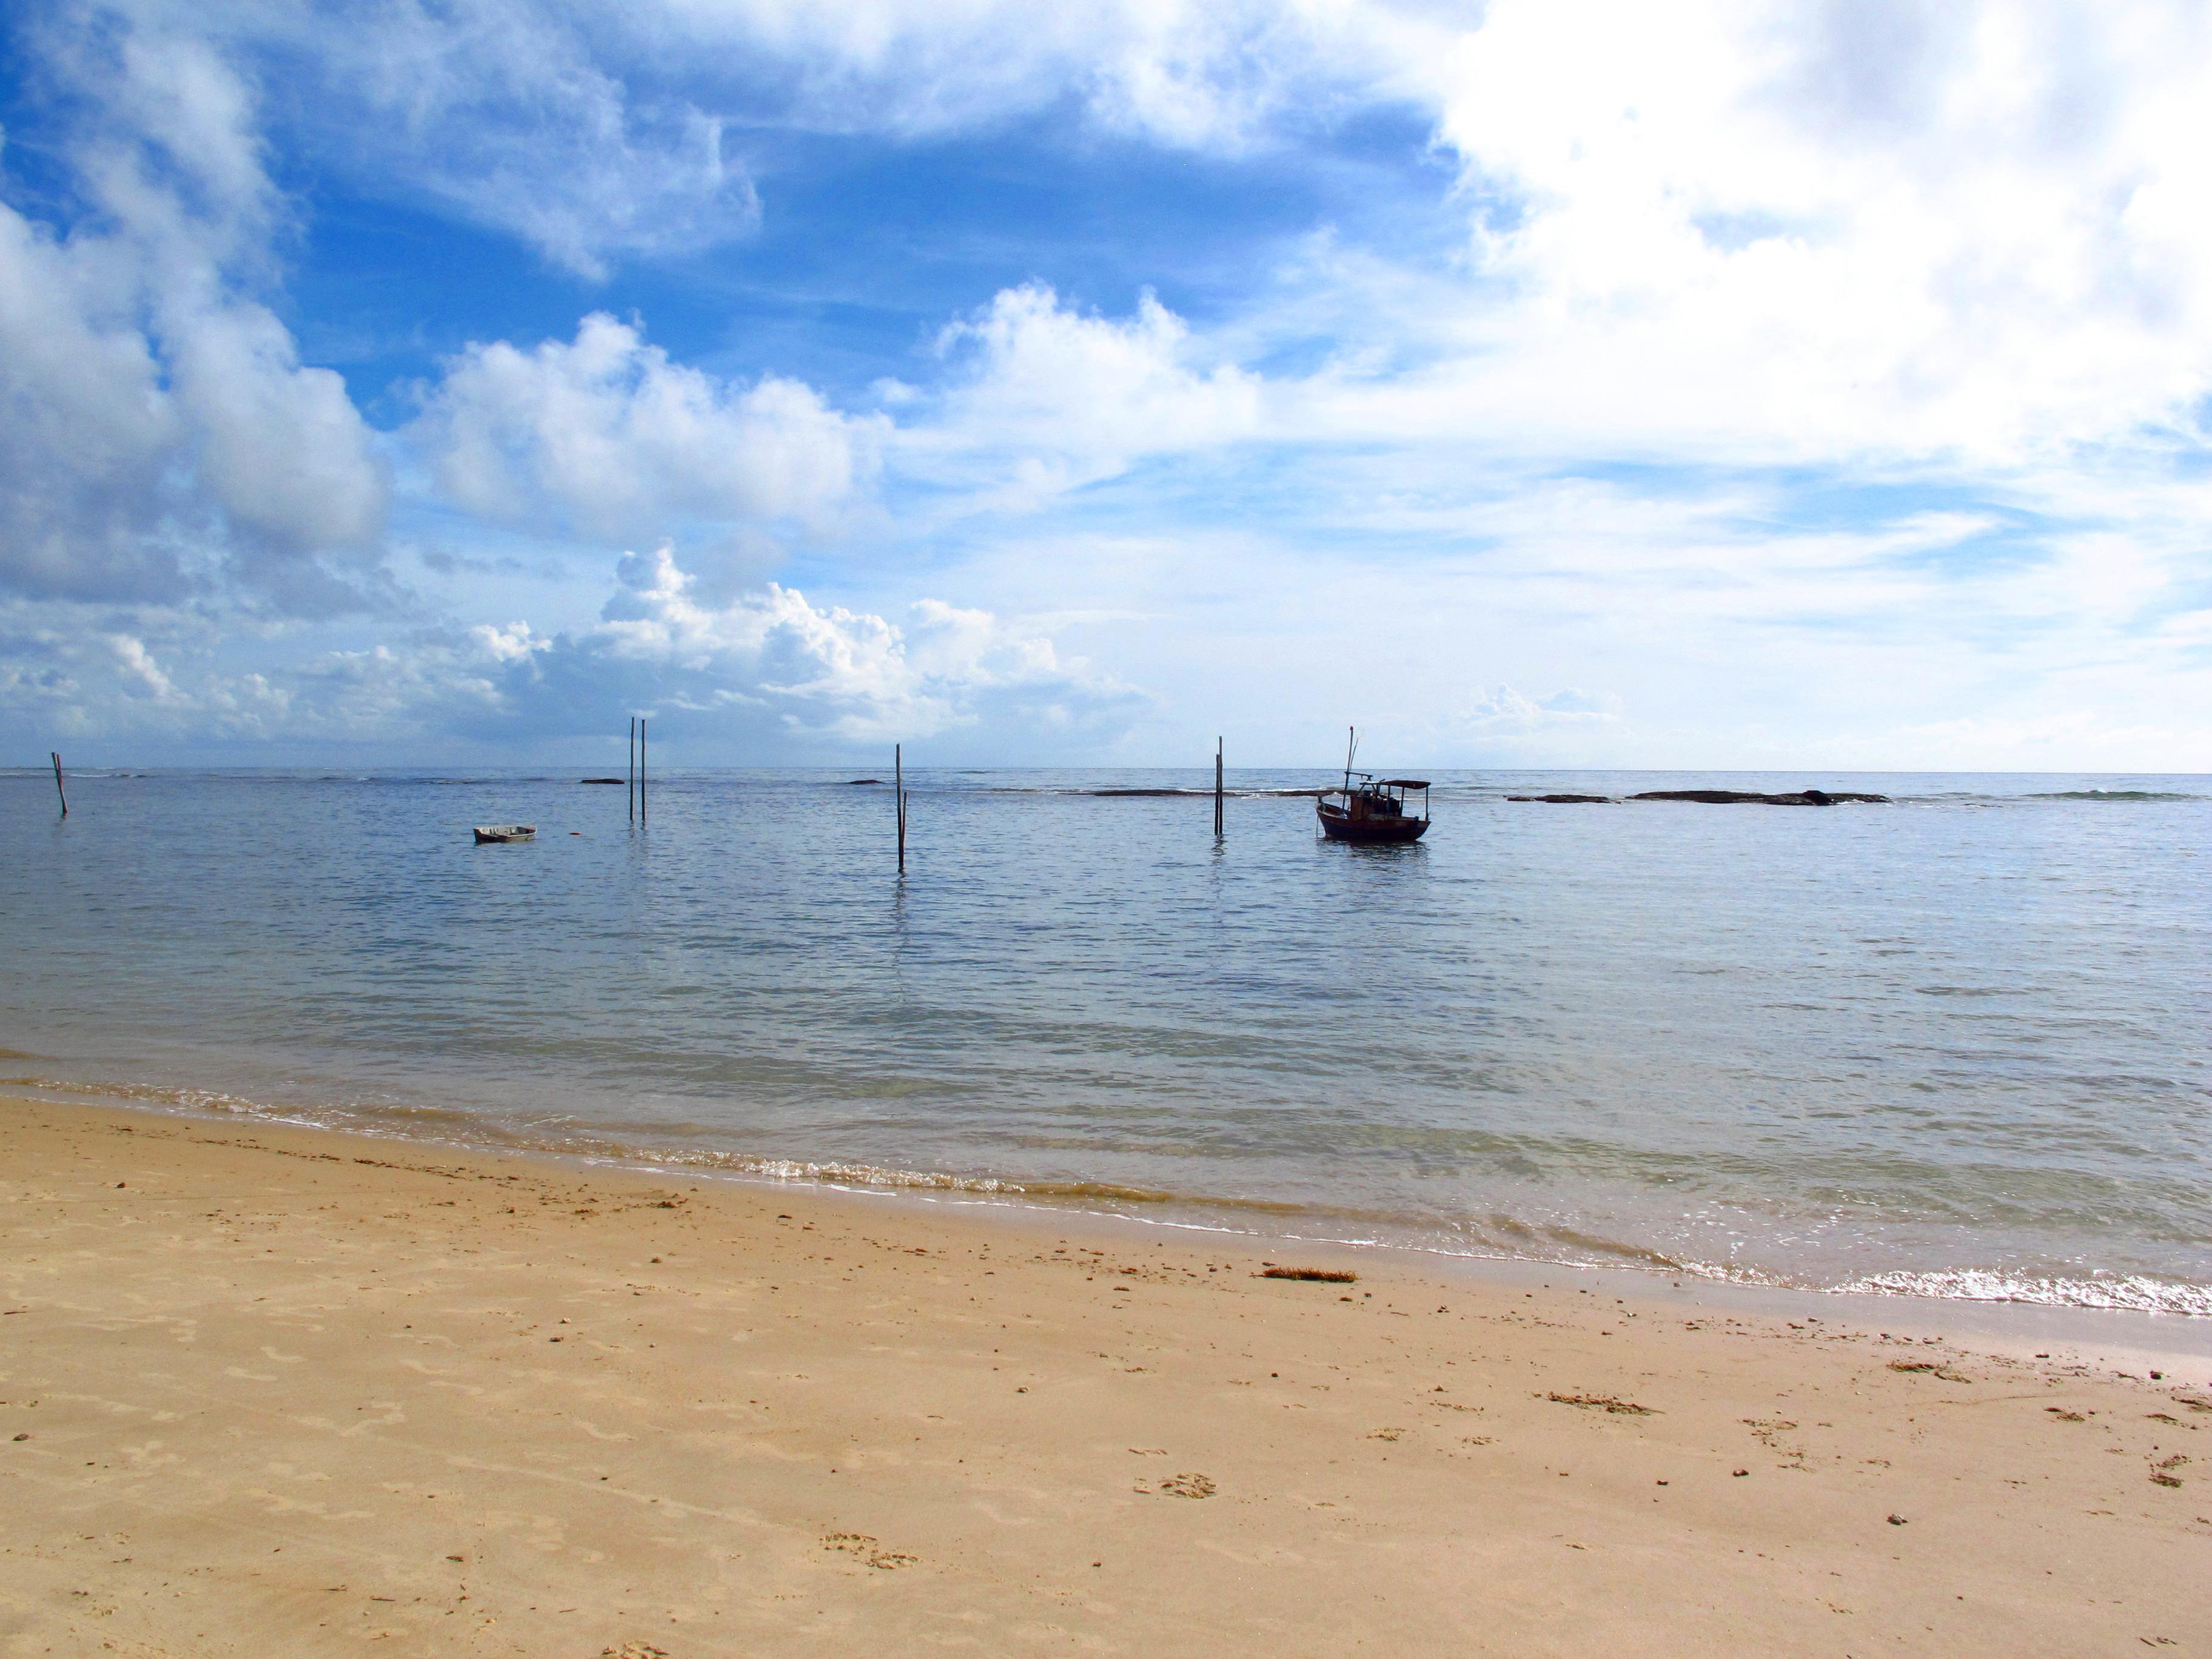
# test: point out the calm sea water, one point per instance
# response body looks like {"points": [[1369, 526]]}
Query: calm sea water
{"points": [[1955, 1045]]}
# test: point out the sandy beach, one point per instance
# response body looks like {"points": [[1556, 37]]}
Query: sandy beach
{"points": [[266, 1390]]}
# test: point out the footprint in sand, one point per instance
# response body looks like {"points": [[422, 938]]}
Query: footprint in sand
{"points": [[1606, 1402]]}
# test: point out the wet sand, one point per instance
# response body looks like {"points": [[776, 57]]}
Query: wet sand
{"points": [[270, 1391]]}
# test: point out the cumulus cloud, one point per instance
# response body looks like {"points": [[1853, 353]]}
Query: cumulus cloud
{"points": [[1710, 229], [765, 673], [1049, 398], [606, 434], [1726, 285], [156, 422], [1830, 230], [777, 662]]}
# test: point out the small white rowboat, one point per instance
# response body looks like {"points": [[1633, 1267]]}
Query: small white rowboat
{"points": [[505, 832]]}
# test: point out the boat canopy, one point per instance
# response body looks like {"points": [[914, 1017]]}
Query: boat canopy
{"points": [[1403, 783]]}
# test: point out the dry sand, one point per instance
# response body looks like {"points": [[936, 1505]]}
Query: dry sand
{"points": [[286, 1393]]}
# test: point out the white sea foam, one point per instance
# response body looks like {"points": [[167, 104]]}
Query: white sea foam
{"points": [[2133, 1292]]}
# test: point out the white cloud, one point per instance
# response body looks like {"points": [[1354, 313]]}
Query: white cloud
{"points": [[1830, 231], [1710, 230], [529, 118], [766, 673], [598, 133], [1049, 398], [1503, 725], [156, 422], [1763, 255], [829, 673], [608, 434], [1212, 74], [279, 446]]}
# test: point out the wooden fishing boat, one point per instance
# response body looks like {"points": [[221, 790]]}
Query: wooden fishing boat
{"points": [[1372, 810], [489, 832]]}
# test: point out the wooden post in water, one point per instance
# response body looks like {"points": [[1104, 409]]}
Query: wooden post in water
{"points": [[640, 771], [59, 790], [898, 789], [630, 777], [1217, 789]]}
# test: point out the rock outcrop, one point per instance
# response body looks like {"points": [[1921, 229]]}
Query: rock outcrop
{"points": [[1737, 797]]}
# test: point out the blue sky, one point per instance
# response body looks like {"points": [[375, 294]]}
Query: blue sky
{"points": [[1561, 384]]}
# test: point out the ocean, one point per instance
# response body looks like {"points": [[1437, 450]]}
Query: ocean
{"points": [[1954, 1045]]}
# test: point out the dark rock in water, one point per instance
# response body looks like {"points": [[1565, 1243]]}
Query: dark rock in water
{"points": [[1736, 797], [852, 782], [1566, 800], [602, 779]]}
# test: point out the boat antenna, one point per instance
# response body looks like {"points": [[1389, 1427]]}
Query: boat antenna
{"points": [[1350, 750]]}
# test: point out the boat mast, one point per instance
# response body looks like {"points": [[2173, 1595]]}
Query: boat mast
{"points": [[1351, 749]]}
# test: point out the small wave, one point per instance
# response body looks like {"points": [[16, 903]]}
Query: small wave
{"points": [[2113, 794], [2128, 1292], [836, 1173], [1496, 1236], [195, 1100]]}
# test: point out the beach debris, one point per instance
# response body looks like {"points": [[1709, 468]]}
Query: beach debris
{"points": [[1387, 1434], [634, 1650], [2065, 1416], [1896, 1520], [1310, 1275], [1606, 1402], [862, 1548], [1186, 1486], [2161, 1473], [1740, 1473]]}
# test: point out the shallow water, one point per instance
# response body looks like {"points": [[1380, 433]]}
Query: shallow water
{"points": [[1954, 1045]]}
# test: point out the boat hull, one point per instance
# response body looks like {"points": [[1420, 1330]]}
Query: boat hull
{"points": [[1339, 825]]}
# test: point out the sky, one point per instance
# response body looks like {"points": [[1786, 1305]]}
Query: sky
{"points": [[1547, 383]]}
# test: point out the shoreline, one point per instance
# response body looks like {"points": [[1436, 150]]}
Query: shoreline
{"points": [[2140, 1335], [285, 1389]]}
